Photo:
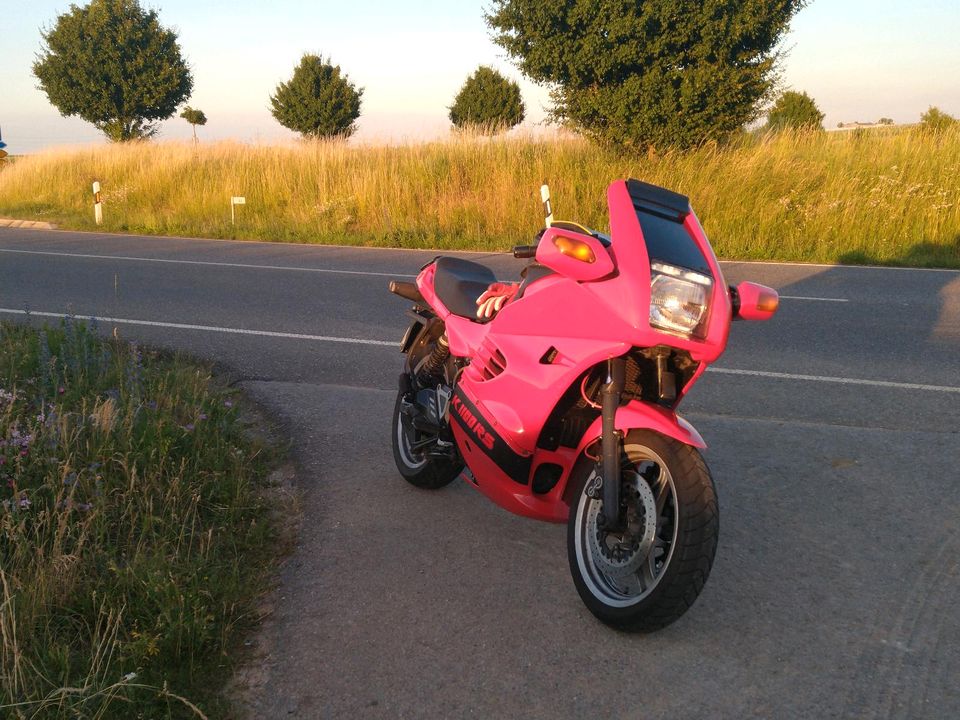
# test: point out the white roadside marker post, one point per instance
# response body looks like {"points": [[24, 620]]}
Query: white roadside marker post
{"points": [[547, 206], [234, 201], [97, 204]]}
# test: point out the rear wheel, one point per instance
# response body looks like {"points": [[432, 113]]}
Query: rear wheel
{"points": [[647, 575], [416, 453]]}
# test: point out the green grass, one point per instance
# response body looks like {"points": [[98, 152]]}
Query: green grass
{"points": [[879, 196], [133, 531]]}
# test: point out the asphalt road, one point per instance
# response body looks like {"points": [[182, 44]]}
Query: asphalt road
{"points": [[834, 443]]}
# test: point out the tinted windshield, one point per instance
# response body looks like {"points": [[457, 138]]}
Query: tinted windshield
{"points": [[669, 242]]}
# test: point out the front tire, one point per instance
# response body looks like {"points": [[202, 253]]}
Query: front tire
{"points": [[644, 578]]}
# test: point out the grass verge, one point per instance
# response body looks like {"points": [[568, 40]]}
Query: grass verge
{"points": [[879, 196], [134, 537]]}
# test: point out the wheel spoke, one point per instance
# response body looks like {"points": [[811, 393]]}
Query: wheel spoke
{"points": [[649, 569], [632, 585]]}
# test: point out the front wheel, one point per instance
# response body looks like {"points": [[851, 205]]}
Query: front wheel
{"points": [[646, 576]]}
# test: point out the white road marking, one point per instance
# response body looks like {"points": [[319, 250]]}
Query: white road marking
{"points": [[205, 328], [393, 343], [817, 299], [127, 258], [836, 266], [839, 380]]}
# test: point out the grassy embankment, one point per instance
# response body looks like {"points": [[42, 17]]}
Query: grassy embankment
{"points": [[879, 196], [133, 529]]}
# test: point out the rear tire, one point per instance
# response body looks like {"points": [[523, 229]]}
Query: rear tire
{"points": [[418, 468], [646, 577]]}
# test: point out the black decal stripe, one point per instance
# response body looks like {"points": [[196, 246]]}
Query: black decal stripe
{"points": [[514, 465]]}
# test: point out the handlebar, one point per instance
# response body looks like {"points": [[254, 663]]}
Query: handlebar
{"points": [[525, 251]]}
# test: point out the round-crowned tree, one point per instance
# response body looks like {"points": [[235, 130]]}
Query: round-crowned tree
{"points": [[647, 73], [488, 102], [795, 110], [194, 117], [111, 63], [318, 102]]}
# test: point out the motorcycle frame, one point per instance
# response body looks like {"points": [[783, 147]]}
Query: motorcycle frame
{"points": [[497, 421]]}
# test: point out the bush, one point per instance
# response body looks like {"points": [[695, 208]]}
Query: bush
{"points": [[318, 102], [487, 102], [795, 110], [936, 119]]}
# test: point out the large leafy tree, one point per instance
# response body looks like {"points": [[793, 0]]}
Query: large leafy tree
{"points": [[648, 72], [487, 102], [795, 110], [111, 63], [318, 101]]}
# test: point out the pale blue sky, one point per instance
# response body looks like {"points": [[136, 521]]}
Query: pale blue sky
{"points": [[860, 59]]}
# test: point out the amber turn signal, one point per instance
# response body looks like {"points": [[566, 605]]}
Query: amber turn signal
{"points": [[768, 303], [576, 249]]}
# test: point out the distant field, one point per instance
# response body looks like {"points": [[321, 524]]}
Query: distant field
{"points": [[876, 196]]}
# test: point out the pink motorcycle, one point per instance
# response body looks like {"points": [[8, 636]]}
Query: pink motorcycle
{"points": [[562, 406]]}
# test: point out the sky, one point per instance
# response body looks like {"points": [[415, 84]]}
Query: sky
{"points": [[859, 59]]}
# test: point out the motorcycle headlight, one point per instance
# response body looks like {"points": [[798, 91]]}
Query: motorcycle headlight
{"points": [[679, 299]]}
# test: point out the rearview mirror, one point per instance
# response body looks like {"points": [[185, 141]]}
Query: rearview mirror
{"points": [[752, 301]]}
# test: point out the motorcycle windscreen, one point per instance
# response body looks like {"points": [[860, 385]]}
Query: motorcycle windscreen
{"points": [[662, 215]]}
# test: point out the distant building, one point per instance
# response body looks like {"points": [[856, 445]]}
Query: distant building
{"points": [[857, 124]]}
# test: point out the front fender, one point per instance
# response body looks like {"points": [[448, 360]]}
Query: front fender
{"points": [[637, 415]]}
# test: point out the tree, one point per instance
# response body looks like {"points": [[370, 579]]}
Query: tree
{"points": [[194, 117], [488, 102], [795, 110], [936, 119], [885, 121], [111, 63], [650, 72], [319, 101]]}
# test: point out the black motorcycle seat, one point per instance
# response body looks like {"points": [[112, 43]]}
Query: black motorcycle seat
{"points": [[459, 283]]}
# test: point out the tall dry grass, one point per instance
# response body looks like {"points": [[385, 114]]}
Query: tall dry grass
{"points": [[887, 196]]}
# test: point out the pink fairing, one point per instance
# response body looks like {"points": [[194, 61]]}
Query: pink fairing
{"points": [[532, 357], [549, 254]]}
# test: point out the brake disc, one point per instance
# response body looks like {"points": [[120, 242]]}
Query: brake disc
{"points": [[623, 554]]}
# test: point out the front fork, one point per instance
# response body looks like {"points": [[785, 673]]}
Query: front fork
{"points": [[610, 394]]}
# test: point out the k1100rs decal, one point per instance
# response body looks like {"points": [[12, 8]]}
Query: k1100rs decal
{"points": [[468, 417]]}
